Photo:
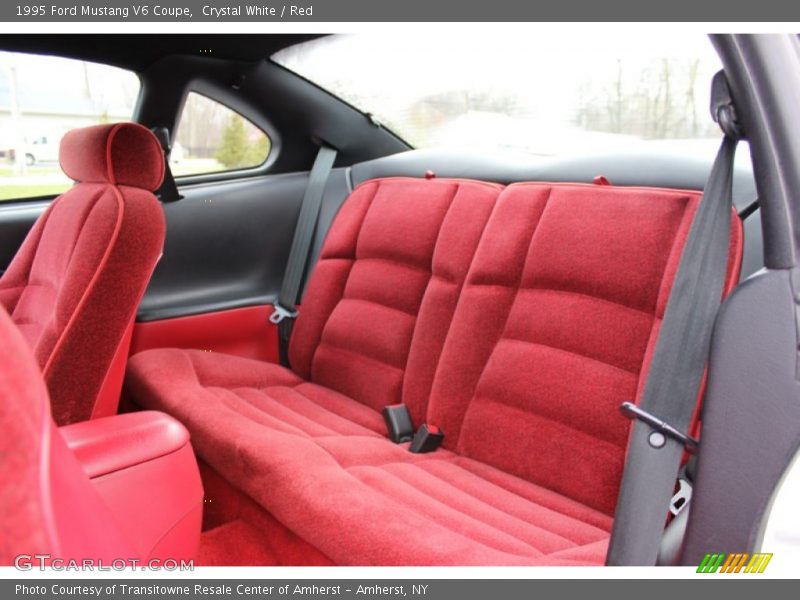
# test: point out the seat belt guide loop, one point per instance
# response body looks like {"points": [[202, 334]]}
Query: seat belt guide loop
{"points": [[723, 111], [660, 428]]}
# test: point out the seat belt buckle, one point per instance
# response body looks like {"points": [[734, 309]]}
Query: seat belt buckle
{"points": [[280, 312], [398, 423], [427, 439], [661, 430]]}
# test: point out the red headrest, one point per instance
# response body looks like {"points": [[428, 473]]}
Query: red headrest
{"points": [[120, 154]]}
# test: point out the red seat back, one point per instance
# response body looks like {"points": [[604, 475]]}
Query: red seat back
{"points": [[75, 283], [555, 328], [376, 312]]}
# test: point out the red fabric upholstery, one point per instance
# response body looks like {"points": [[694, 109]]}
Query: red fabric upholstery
{"points": [[120, 154], [266, 391], [135, 506], [534, 322], [36, 468], [22, 418], [399, 251], [238, 532], [553, 327], [75, 283], [321, 464]]}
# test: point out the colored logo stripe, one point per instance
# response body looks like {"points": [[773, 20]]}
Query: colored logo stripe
{"points": [[758, 563], [711, 562], [737, 562]]}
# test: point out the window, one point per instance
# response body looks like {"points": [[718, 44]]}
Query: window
{"points": [[212, 138], [538, 91], [43, 97]]}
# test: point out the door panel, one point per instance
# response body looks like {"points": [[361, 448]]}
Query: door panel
{"points": [[227, 244], [243, 332]]}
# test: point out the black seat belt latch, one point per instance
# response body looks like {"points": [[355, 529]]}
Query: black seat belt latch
{"points": [[660, 428], [398, 423], [427, 439]]}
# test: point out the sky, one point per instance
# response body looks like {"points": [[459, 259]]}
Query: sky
{"points": [[48, 82]]}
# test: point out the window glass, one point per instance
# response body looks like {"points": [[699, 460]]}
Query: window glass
{"points": [[542, 92], [212, 138], [43, 97]]}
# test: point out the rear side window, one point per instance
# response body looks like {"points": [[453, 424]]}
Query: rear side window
{"points": [[545, 94], [43, 97], [213, 138]]}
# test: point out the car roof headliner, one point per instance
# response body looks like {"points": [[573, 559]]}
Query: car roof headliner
{"points": [[138, 51]]}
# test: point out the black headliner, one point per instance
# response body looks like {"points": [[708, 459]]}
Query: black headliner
{"points": [[138, 51]]}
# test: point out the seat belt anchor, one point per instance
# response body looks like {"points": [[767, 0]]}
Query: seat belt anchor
{"points": [[280, 312], [661, 429]]}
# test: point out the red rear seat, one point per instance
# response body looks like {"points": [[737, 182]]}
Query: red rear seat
{"points": [[517, 320]]}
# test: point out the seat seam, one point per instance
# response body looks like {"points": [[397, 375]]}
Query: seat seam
{"points": [[507, 316], [642, 311], [421, 466], [521, 288], [599, 361], [330, 412], [457, 459], [618, 446], [304, 419], [394, 261], [319, 407], [353, 260], [359, 354], [225, 398], [431, 276], [417, 511], [452, 461], [375, 303], [523, 499], [295, 388]]}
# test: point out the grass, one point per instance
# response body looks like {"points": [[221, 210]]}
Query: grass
{"points": [[38, 169], [39, 180], [19, 187], [17, 192]]}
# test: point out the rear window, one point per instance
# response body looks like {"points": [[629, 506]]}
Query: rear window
{"points": [[543, 93], [43, 97]]}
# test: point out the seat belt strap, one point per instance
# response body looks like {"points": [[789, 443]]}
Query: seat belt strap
{"points": [[285, 308], [676, 371]]}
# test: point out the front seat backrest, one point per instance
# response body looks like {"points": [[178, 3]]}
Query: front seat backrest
{"points": [[76, 281]]}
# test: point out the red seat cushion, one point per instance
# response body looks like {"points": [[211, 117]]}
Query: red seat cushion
{"points": [[191, 381], [535, 321], [320, 462], [75, 283]]}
